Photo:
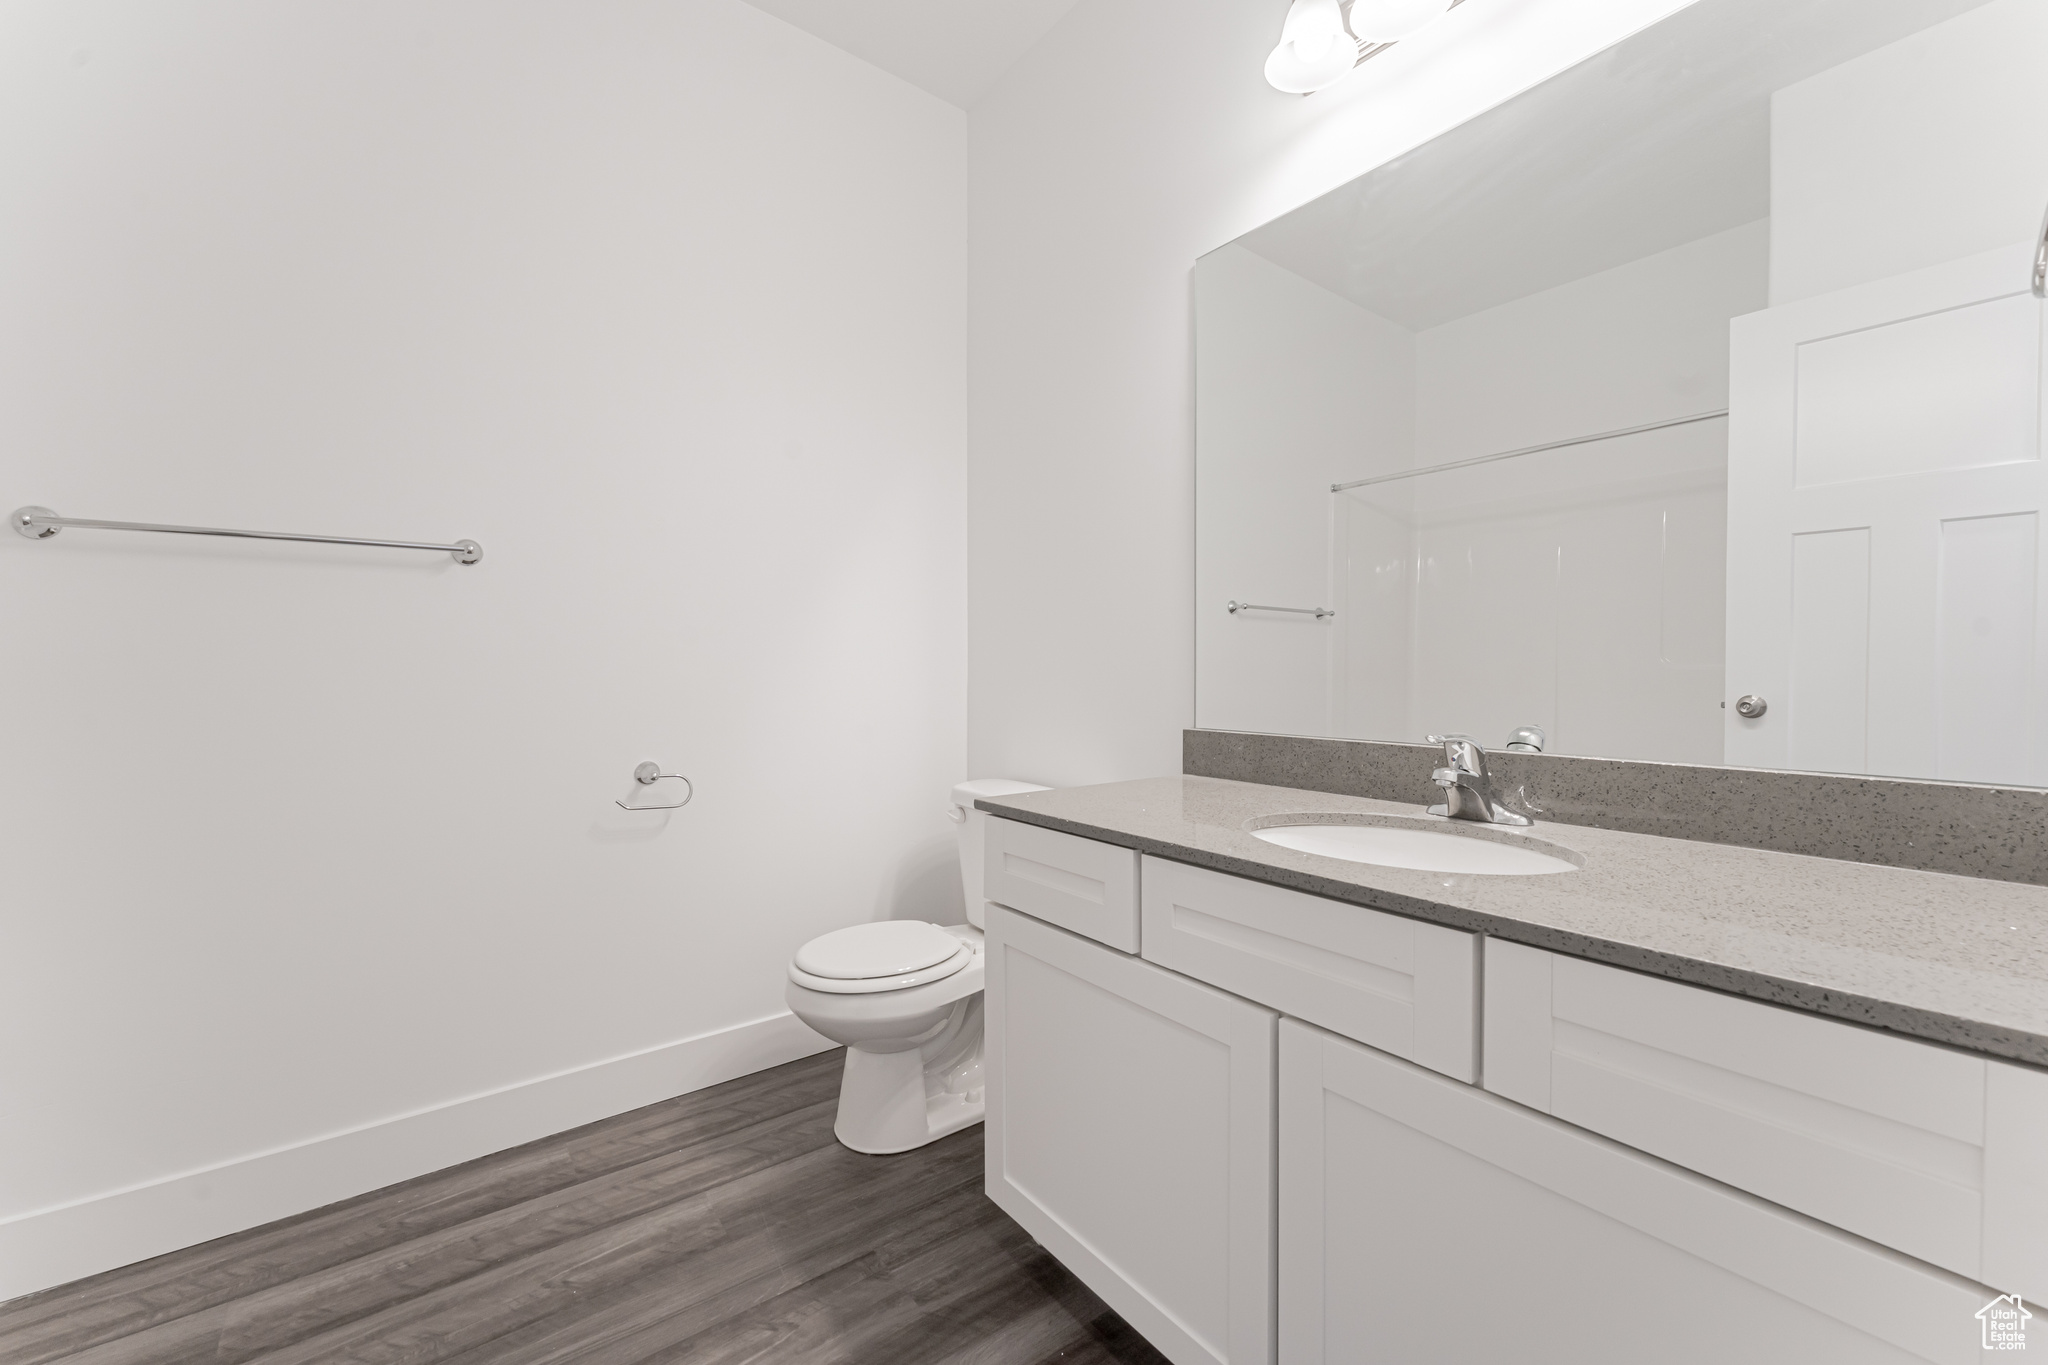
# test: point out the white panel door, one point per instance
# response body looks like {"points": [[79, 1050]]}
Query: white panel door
{"points": [[1885, 488], [1130, 1130], [1426, 1221]]}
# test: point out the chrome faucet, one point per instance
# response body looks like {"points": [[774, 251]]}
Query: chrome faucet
{"points": [[1468, 787]]}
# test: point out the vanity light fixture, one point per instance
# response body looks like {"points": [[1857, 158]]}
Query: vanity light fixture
{"points": [[1389, 21], [1317, 49], [1314, 49]]}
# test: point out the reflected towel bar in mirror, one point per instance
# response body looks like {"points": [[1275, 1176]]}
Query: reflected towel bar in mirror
{"points": [[40, 523], [1318, 612]]}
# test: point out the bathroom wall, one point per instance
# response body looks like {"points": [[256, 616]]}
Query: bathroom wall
{"points": [[1637, 343], [1298, 388], [1924, 151], [1136, 136], [315, 877]]}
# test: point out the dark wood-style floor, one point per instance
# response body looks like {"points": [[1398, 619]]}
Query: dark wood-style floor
{"points": [[720, 1227]]}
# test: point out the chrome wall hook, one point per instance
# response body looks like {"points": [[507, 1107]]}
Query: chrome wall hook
{"points": [[649, 773]]}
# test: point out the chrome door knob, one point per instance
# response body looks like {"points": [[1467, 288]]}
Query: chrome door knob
{"points": [[1749, 706]]}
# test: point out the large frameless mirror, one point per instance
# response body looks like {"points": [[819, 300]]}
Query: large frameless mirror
{"points": [[1687, 407]]}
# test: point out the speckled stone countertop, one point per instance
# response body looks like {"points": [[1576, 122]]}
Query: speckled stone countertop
{"points": [[1955, 960]]}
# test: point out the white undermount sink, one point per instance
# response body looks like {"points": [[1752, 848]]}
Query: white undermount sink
{"points": [[1424, 850]]}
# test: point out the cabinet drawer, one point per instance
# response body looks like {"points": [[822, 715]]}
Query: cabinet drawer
{"points": [[1397, 984], [1939, 1154], [1080, 884]]}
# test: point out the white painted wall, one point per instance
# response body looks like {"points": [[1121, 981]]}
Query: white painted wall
{"points": [[1297, 388], [1924, 151], [1098, 177], [1643, 342], [311, 847]]}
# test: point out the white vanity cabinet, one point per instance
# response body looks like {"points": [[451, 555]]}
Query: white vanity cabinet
{"points": [[1937, 1153], [1130, 1130], [1486, 1152], [1422, 1220]]}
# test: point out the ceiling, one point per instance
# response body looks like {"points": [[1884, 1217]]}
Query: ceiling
{"points": [[1658, 141], [953, 48]]}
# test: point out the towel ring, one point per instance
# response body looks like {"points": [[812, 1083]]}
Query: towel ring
{"points": [[649, 773]]}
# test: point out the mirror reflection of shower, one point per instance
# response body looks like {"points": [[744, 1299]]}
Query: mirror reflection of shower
{"points": [[1727, 450]]}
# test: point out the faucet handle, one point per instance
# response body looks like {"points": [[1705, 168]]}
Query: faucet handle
{"points": [[1463, 753]]}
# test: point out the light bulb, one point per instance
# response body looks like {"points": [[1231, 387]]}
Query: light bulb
{"points": [[1314, 49], [1389, 21]]}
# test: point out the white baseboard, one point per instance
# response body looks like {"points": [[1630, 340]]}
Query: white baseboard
{"points": [[53, 1246]]}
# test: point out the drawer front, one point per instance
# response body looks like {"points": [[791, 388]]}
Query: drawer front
{"points": [[1396, 984], [1935, 1153], [1080, 884]]}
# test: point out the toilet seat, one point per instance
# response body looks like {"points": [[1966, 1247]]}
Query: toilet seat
{"points": [[889, 955]]}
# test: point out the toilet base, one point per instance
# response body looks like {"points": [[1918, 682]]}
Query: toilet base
{"points": [[897, 1101]]}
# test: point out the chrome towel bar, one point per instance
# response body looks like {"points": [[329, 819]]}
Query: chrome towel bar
{"points": [[40, 523], [1318, 612]]}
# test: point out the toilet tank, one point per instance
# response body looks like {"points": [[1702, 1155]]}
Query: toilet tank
{"points": [[974, 832]]}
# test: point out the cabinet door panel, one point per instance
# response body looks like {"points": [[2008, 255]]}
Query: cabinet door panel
{"points": [[2016, 1180], [1424, 1220], [1884, 1136], [1400, 985], [1130, 1130], [1080, 884]]}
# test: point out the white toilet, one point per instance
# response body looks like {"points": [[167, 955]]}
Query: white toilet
{"points": [[904, 997]]}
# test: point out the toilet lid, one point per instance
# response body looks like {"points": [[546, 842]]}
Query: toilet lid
{"points": [[885, 948]]}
